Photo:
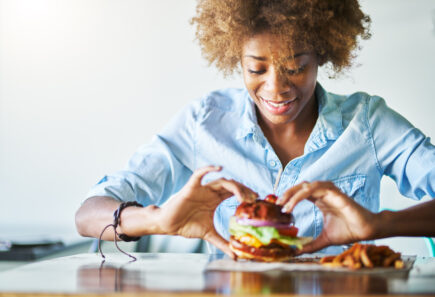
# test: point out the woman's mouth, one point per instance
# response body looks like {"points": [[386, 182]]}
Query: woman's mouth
{"points": [[278, 107]]}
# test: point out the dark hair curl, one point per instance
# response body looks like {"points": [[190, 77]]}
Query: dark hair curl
{"points": [[331, 28]]}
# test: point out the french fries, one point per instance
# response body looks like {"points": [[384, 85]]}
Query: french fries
{"points": [[365, 256]]}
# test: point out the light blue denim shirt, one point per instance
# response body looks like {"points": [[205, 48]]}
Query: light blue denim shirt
{"points": [[356, 140]]}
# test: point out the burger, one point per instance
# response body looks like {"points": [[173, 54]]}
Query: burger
{"points": [[260, 231]]}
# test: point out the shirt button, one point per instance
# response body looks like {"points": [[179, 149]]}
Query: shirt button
{"points": [[272, 163]]}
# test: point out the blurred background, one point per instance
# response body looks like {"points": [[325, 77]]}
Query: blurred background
{"points": [[83, 83]]}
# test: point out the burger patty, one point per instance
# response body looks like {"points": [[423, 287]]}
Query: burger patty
{"points": [[263, 211], [272, 250]]}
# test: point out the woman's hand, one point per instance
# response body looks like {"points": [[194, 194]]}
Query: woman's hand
{"points": [[344, 220], [190, 212]]}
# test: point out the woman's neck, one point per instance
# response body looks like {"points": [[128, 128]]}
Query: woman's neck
{"points": [[302, 125], [288, 139]]}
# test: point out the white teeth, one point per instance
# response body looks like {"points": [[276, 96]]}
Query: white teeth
{"points": [[274, 104], [277, 104]]}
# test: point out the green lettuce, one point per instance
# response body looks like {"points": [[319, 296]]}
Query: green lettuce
{"points": [[265, 234]]}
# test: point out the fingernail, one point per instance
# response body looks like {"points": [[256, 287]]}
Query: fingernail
{"points": [[279, 201], [284, 209], [253, 196]]}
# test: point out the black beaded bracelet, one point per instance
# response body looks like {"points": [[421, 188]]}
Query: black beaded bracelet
{"points": [[117, 220], [116, 223]]}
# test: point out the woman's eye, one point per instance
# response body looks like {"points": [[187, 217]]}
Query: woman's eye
{"points": [[256, 71], [296, 71]]}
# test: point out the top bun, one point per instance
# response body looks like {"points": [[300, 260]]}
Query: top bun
{"points": [[263, 211]]}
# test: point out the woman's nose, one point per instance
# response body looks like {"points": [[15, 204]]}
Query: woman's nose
{"points": [[276, 83]]}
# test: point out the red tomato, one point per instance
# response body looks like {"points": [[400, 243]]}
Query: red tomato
{"points": [[292, 231], [271, 198]]}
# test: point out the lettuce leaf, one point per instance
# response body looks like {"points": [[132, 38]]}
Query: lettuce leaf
{"points": [[266, 234]]}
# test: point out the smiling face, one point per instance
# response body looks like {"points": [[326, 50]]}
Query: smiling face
{"points": [[282, 95]]}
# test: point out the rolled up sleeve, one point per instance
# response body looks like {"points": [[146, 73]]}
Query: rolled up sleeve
{"points": [[403, 152], [157, 169]]}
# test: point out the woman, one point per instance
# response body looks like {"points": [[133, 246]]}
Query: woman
{"points": [[282, 133]]}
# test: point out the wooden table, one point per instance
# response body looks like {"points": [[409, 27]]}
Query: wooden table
{"points": [[186, 275]]}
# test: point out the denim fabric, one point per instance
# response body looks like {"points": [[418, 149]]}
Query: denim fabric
{"points": [[356, 140]]}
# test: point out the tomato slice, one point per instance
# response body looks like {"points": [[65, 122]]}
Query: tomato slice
{"points": [[271, 198], [292, 231]]}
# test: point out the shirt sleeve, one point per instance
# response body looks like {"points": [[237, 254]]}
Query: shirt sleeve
{"points": [[158, 169], [403, 152]]}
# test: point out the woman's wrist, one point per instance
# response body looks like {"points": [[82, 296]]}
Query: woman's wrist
{"points": [[383, 224], [139, 221]]}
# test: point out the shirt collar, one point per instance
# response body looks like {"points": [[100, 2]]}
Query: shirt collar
{"points": [[328, 126], [249, 123], [329, 122]]}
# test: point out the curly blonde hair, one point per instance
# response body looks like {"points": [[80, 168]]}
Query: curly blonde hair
{"points": [[331, 28]]}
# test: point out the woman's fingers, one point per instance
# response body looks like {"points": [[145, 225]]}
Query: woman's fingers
{"points": [[225, 188], [305, 190], [315, 245], [198, 174], [289, 193], [232, 187], [215, 239]]}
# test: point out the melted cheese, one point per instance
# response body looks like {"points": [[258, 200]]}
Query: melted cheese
{"points": [[249, 240]]}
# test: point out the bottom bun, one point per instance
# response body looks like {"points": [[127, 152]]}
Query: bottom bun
{"points": [[263, 254]]}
